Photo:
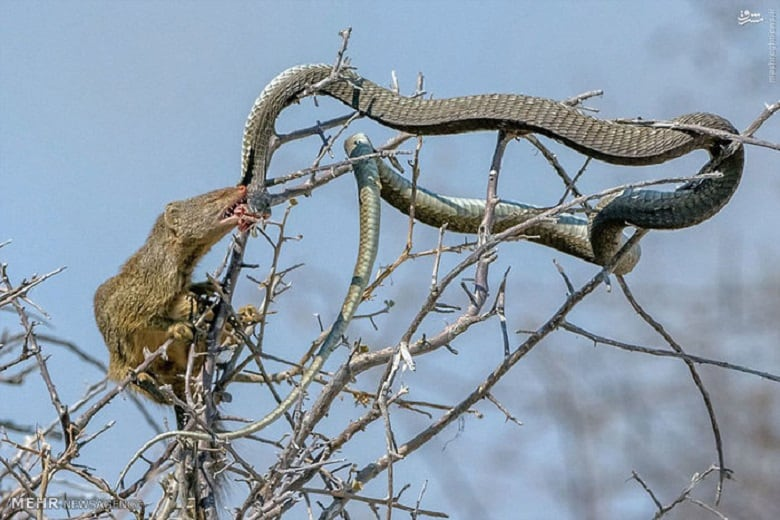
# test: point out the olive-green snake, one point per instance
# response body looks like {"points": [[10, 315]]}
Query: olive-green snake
{"points": [[367, 178], [565, 232], [617, 142], [630, 144]]}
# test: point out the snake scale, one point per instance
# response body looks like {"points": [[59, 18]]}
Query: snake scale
{"points": [[616, 142]]}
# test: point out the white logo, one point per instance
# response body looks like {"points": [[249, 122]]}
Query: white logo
{"points": [[745, 16]]}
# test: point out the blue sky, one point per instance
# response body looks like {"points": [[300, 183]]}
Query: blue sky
{"points": [[111, 109]]}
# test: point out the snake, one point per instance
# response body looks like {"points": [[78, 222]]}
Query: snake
{"points": [[616, 142], [367, 178], [629, 143], [565, 232]]}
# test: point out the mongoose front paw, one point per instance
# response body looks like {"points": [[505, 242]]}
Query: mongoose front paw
{"points": [[249, 315], [148, 384], [145, 379], [208, 315], [182, 331]]}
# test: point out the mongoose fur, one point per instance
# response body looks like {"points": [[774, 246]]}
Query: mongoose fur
{"points": [[152, 300]]}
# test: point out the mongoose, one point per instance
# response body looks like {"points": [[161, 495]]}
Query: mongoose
{"points": [[151, 300]]}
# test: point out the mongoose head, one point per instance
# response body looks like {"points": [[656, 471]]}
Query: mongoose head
{"points": [[203, 220]]}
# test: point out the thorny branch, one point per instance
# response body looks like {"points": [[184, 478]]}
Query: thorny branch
{"points": [[187, 469]]}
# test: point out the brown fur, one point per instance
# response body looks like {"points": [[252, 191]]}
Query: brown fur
{"points": [[151, 301]]}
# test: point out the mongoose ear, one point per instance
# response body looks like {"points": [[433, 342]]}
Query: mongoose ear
{"points": [[172, 216]]}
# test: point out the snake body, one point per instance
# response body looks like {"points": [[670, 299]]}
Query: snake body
{"points": [[611, 141], [565, 232], [367, 179], [369, 198]]}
